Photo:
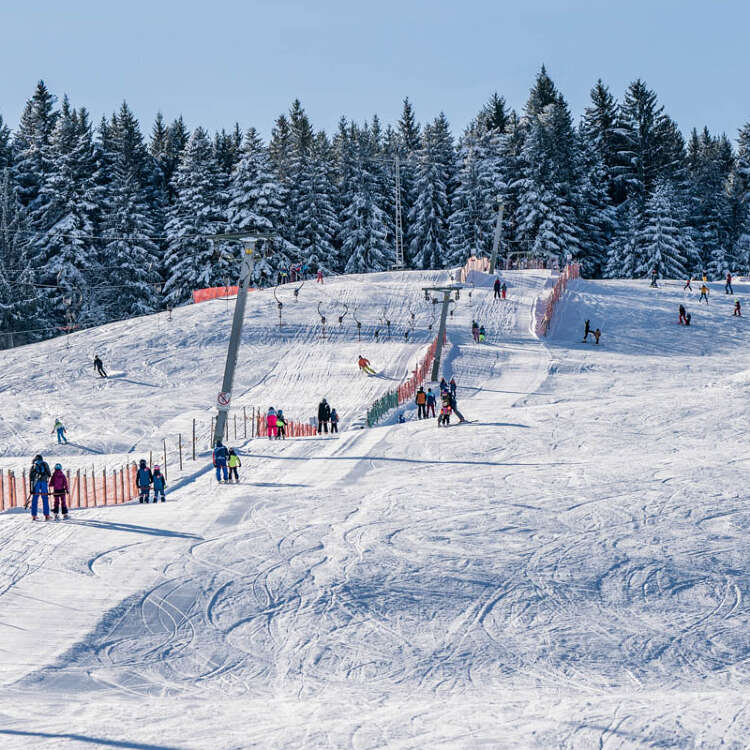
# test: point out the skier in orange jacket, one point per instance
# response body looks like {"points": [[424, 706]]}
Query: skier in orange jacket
{"points": [[364, 365]]}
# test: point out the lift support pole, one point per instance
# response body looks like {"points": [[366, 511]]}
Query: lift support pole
{"points": [[446, 290]]}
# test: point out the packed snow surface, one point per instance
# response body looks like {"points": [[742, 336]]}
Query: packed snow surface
{"points": [[568, 570]]}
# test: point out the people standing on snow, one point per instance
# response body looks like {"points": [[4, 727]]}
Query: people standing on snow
{"points": [[688, 318], [481, 334], [220, 458], [687, 284], [324, 416], [445, 414], [496, 287], [443, 386], [280, 426], [682, 315], [597, 334], [430, 403], [143, 480], [39, 475], [453, 387], [587, 330], [654, 277], [704, 294], [271, 423], [728, 286], [737, 309], [421, 401], [234, 464], [99, 365], [58, 483], [160, 484], [334, 421], [364, 365], [504, 289], [60, 429], [319, 276], [475, 331], [454, 405]]}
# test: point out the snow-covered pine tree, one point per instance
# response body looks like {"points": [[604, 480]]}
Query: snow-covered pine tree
{"points": [[738, 189], [6, 150], [409, 143], [435, 179], [193, 260], [599, 134], [256, 205]]}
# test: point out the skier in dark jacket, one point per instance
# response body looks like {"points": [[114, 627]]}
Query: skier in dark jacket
{"points": [[682, 315], [334, 421], [454, 406], [159, 485], [39, 475], [99, 365], [324, 415], [587, 330], [143, 480], [430, 403], [221, 457], [452, 385], [496, 287], [58, 483]]}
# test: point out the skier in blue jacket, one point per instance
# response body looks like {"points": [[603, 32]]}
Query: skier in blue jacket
{"points": [[221, 456], [159, 485], [144, 478]]}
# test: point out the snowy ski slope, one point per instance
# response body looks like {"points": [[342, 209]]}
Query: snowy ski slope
{"points": [[570, 570]]}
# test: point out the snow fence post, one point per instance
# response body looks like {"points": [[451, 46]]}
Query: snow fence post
{"points": [[93, 485], [179, 447], [122, 485], [85, 489], [244, 420], [25, 488], [165, 459], [193, 438], [2, 490], [78, 488], [114, 482], [104, 483]]}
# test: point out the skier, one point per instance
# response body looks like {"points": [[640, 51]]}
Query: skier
{"points": [[597, 334], [453, 386], [58, 483], [728, 286], [454, 406], [587, 331], [319, 276], [445, 414], [443, 387], [271, 423], [481, 334], [654, 276], [39, 475], [504, 289], [496, 287], [60, 429], [221, 454], [737, 309], [143, 480], [430, 403], [688, 318], [364, 365], [234, 464], [159, 485], [280, 426], [682, 315], [421, 401], [704, 294], [324, 415], [687, 284], [475, 331], [334, 421], [99, 365]]}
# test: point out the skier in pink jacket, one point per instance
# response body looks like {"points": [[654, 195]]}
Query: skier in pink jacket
{"points": [[271, 422], [58, 483]]}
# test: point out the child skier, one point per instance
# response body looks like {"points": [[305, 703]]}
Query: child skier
{"points": [[280, 428], [334, 421], [234, 464], [445, 414], [430, 403], [58, 483], [60, 429], [159, 485], [597, 333], [728, 286], [504, 289], [221, 454], [687, 284], [704, 294], [39, 475], [144, 479], [364, 365], [271, 422], [737, 309], [481, 334]]}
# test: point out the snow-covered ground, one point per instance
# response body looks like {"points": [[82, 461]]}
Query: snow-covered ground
{"points": [[569, 570]]}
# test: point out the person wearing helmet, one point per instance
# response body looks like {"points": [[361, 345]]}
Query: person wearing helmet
{"points": [[324, 415], [221, 455], [271, 423], [58, 483], [280, 425], [234, 464], [364, 365], [60, 429], [39, 475], [160, 484], [144, 478]]}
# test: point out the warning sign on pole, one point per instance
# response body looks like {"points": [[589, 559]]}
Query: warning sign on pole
{"points": [[222, 401]]}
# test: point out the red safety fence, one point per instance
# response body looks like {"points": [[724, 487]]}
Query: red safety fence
{"points": [[216, 292], [86, 489], [545, 309], [293, 429], [407, 389]]}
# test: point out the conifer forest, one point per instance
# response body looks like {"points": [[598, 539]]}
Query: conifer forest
{"points": [[104, 221]]}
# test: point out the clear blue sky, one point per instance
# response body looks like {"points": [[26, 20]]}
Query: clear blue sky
{"points": [[226, 61]]}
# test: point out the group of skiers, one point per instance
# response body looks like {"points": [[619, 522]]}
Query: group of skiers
{"points": [[596, 333], [275, 424], [426, 403], [477, 332], [500, 289], [327, 416], [146, 478], [42, 481], [226, 462]]}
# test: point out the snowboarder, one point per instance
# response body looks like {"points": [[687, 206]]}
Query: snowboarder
{"points": [[221, 454], [704, 294], [481, 334], [60, 429], [143, 479], [496, 287], [430, 403], [39, 475], [682, 315], [271, 423], [445, 414], [58, 483], [504, 289], [334, 421], [597, 334], [687, 284], [654, 277], [587, 330], [324, 416], [159, 485], [728, 286], [280, 427], [364, 365], [475, 331], [421, 401], [99, 365], [737, 309], [234, 464]]}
